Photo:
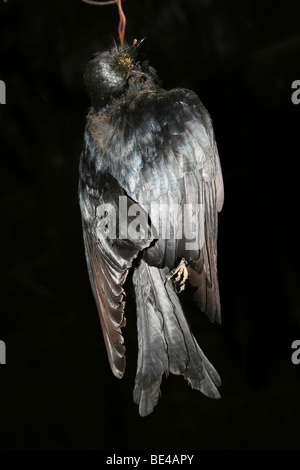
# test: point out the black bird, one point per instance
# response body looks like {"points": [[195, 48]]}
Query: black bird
{"points": [[153, 152]]}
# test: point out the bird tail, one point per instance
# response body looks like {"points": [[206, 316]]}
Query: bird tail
{"points": [[165, 341]]}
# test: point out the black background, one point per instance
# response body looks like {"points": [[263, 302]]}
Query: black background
{"points": [[57, 390]]}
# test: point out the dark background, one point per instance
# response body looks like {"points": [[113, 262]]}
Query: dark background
{"points": [[57, 390]]}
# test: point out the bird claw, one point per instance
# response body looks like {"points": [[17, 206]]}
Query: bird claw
{"points": [[180, 275]]}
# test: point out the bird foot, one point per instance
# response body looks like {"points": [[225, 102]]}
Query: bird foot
{"points": [[180, 275]]}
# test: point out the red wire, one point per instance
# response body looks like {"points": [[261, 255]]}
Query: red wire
{"points": [[122, 23]]}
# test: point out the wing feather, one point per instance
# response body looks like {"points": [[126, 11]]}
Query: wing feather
{"points": [[184, 168], [109, 260]]}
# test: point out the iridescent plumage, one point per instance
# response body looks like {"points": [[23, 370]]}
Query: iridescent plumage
{"points": [[155, 149]]}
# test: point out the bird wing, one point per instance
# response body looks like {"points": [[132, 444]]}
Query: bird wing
{"points": [[156, 149], [203, 270], [108, 256], [171, 159]]}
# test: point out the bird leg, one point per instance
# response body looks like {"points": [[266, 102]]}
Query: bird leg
{"points": [[180, 275]]}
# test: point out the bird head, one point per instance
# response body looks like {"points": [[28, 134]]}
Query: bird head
{"points": [[115, 71]]}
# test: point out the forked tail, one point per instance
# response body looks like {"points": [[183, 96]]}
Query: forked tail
{"points": [[165, 341]]}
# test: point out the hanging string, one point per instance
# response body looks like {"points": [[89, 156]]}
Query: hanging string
{"points": [[122, 23]]}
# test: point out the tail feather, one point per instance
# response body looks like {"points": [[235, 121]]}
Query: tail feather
{"points": [[166, 343], [200, 373], [152, 357]]}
